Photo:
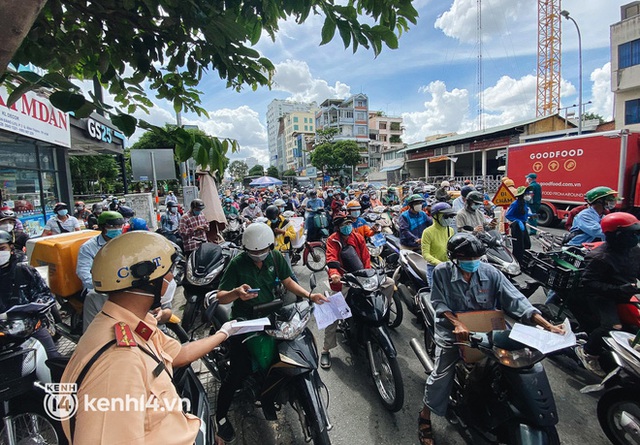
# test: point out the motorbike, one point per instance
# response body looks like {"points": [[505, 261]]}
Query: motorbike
{"points": [[24, 374], [375, 245], [312, 253], [411, 278], [384, 218], [395, 214], [204, 271], [367, 329], [619, 406], [506, 397], [234, 229], [291, 376]]}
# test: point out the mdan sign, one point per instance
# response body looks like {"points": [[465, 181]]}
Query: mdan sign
{"points": [[34, 116]]}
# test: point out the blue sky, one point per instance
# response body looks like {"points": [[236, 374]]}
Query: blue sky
{"points": [[430, 80]]}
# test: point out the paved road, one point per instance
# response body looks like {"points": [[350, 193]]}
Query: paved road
{"points": [[359, 418]]}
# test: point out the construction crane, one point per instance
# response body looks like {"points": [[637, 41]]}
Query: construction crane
{"points": [[548, 86]]}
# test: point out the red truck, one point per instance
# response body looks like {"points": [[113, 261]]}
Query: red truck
{"points": [[568, 167]]}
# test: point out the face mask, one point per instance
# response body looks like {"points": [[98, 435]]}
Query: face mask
{"points": [[355, 213], [167, 297], [469, 265], [253, 206], [173, 210], [63, 212], [280, 209], [113, 233], [346, 230], [5, 256], [610, 205], [417, 207], [8, 227], [329, 195], [274, 221], [528, 198], [197, 212], [451, 222], [228, 204], [258, 258], [476, 206]]}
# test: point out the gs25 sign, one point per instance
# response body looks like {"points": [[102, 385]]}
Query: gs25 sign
{"points": [[99, 131]]}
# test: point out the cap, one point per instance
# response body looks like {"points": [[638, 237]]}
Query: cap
{"points": [[532, 176]]}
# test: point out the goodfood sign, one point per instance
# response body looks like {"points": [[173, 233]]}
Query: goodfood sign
{"points": [[34, 116]]}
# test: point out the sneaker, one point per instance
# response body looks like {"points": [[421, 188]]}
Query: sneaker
{"points": [[226, 431], [590, 362], [325, 360]]}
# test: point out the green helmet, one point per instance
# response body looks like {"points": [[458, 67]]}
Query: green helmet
{"points": [[475, 198], [110, 218], [599, 192], [391, 189], [415, 198]]}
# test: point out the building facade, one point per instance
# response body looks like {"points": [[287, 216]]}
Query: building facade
{"points": [[351, 118], [385, 133], [625, 67], [275, 111], [299, 127]]}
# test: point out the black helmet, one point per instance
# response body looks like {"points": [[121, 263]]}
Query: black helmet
{"points": [[60, 206], [464, 191], [475, 198], [464, 245], [126, 212], [197, 204], [364, 197], [312, 193], [271, 212], [172, 204]]}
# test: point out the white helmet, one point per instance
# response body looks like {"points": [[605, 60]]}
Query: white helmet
{"points": [[257, 236], [445, 184], [279, 203]]}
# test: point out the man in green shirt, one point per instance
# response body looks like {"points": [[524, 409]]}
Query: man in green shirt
{"points": [[260, 268]]}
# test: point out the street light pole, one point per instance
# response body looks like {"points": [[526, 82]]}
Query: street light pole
{"points": [[566, 15]]}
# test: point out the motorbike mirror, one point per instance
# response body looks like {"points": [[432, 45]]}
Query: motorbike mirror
{"points": [[312, 281], [467, 228], [334, 264]]}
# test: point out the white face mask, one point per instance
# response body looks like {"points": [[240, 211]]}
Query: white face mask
{"points": [[528, 198], [417, 207], [167, 297], [5, 256], [7, 227]]}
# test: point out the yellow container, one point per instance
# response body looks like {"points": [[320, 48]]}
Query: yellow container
{"points": [[60, 253]]}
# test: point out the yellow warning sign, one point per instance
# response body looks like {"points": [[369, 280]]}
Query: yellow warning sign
{"points": [[503, 196]]}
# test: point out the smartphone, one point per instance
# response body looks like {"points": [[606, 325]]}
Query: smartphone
{"points": [[253, 291]]}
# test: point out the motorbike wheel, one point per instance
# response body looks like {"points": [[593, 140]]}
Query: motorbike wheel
{"points": [[396, 312], [317, 259], [189, 315], [32, 427], [389, 379], [612, 406], [550, 435], [307, 394]]}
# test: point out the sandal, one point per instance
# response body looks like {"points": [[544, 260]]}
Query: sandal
{"points": [[425, 432]]}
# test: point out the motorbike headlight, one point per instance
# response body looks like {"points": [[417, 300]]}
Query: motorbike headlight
{"points": [[290, 329], [375, 251], [520, 358], [207, 279], [513, 269], [369, 284], [20, 327]]}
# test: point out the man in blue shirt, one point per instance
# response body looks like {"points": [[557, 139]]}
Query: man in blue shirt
{"points": [[535, 202], [586, 225], [412, 223]]}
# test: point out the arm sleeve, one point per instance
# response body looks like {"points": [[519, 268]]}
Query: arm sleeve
{"points": [[591, 225], [425, 245], [511, 299], [183, 227], [83, 268], [438, 291], [289, 231], [284, 270], [39, 292], [332, 255], [597, 278]]}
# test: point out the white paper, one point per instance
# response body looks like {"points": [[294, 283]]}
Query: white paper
{"points": [[543, 341], [336, 309], [250, 325]]}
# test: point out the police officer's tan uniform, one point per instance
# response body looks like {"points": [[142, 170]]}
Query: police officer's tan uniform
{"points": [[124, 370]]}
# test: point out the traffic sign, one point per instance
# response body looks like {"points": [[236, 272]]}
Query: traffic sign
{"points": [[503, 196]]}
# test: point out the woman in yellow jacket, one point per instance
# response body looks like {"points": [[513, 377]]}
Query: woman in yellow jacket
{"points": [[434, 238], [283, 231]]}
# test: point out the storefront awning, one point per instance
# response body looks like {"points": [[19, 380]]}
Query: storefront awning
{"points": [[391, 168]]}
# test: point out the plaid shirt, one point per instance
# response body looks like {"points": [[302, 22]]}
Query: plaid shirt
{"points": [[191, 237]]}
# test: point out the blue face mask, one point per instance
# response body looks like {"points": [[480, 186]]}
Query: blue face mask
{"points": [[253, 206], [469, 265], [63, 212], [273, 221], [355, 213], [197, 212], [113, 233], [346, 230]]}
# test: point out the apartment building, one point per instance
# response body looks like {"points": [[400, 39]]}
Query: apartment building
{"points": [[625, 67], [276, 110]]}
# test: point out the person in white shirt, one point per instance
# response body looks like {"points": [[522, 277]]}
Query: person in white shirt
{"points": [[61, 222]]}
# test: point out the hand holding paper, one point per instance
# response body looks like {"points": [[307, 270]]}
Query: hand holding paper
{"points": [[335, 309], [542, 340]]}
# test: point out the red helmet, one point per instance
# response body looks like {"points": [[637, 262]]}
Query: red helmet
{"points": [[340, 218], [619, 221]]}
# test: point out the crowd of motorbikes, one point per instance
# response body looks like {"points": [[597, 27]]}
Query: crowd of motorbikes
{"points": [[505, 398]]}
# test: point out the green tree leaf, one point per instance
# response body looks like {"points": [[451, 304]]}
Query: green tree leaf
{"points": [[67, 101]]}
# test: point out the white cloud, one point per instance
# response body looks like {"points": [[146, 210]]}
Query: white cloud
{"points": [[294, 77], [443, 113], [459, 21], [601, 95]]}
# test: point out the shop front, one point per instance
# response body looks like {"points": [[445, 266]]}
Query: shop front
{"points": [[36, 140]]}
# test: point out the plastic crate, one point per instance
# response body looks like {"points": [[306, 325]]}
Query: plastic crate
{"points": [[551, 270]]}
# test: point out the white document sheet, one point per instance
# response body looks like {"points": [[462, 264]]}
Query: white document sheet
{"points": [[543, 341], [335, 309], [250, 325]]}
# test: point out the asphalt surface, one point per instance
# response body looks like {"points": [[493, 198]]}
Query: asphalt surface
{"points": [[359, 418]]}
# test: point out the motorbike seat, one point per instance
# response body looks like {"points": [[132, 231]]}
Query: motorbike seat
{"points": [[393, 240], [418, 264]]}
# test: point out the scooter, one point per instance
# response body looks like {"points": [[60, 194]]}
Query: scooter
{"points": [[203, 274], [292, 375], [411, 278], [234, 229], [383, 218], [506, 397], [619, 406], [375, 245], [367, 329], [23, 376], [312, 253]]}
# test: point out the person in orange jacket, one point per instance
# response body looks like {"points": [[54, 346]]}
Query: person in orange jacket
{"points": [[359, 224]]}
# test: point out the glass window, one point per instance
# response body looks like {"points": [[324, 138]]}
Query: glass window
{"points": [[295, 118], [362, 130], [632, 112], [361, 116], [629, 54], [295, 127], [18, 155]]}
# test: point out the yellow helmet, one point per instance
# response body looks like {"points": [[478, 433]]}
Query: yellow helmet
{"points": [[131, 259]]}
